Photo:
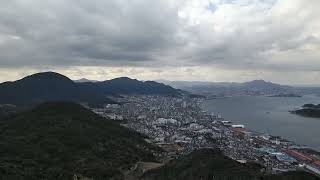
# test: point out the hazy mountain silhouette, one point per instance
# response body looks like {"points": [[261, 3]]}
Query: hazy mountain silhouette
{"points": [[125, 85], [47, 86]]}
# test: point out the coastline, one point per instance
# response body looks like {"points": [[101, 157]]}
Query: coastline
{"points": [[298, 145]]}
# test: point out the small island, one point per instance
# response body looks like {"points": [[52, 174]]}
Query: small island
{"points": [[309, 110]]}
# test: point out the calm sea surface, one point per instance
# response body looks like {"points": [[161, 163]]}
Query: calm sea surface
{"points": [[270, 115]]}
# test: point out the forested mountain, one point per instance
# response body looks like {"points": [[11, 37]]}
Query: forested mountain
{"points": [[48, 86], [60, 140], [125, 85]]}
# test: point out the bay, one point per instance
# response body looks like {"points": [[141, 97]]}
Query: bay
{"points": [[270, 115]]}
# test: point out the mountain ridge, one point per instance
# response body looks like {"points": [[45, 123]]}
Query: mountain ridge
{"points": [[126, 85], [47, 86], [52, 86], [255, 87]]}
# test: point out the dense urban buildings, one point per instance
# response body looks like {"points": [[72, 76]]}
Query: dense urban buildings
{"points": [[180, 126]]}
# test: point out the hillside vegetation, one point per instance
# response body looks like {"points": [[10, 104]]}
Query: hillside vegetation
{"points": [[60, 140], [211, 164]]}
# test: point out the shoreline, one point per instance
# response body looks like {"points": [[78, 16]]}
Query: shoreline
{"points": [[315, 148]]}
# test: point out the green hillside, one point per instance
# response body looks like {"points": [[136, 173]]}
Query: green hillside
{"points": [[59, 140], [211, 164]]}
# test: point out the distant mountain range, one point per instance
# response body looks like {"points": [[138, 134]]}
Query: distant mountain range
{"points": [[51, 86], [256, 87], [84, 80], [125, 85]]}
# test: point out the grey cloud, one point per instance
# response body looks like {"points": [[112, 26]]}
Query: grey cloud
{"points": [[150, 33], [105, 32]]}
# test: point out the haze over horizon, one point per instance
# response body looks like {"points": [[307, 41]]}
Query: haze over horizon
{"points": [[189, 40]]}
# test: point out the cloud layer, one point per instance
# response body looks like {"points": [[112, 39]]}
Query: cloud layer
{"points": [[225, 38]]}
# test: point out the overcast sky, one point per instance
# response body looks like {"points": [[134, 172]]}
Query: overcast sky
{"points": [[206, 40]]}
